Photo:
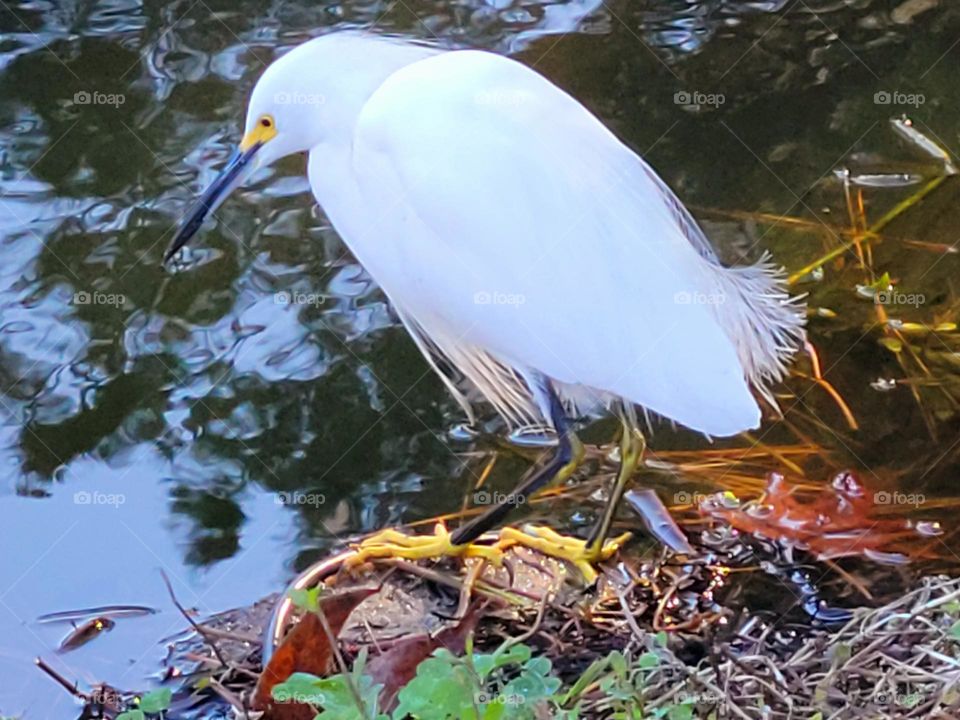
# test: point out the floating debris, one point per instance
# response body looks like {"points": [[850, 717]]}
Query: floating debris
{"points": [[102, 611], [85, 633], [841, 520], [904, 127]]}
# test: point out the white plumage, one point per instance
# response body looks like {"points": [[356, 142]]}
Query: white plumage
{"points": [[519, 239]]}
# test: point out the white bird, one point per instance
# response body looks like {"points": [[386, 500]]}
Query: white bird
{"points": [[521, 244]]}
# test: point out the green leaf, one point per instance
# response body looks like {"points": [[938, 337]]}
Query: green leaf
{"points": [[648, 660], [954, 631], [156, 700], [442, 688], [618, 662], [840, 653], [680, 712], [501, 657], [299, 687], [132, 715], [533, 685], [339, 703], [662, 638], [332, 694], [308, 599], [589, 676]]}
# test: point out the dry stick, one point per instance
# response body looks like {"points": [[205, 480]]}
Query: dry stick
{"points": [[628, 615], [228, 696], [61, 680], [193, 623], [341, 663], [229, 635], [544, 601], [203, 633]]}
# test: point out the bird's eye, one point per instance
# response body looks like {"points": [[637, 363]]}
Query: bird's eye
{"points": [[266, 122]]}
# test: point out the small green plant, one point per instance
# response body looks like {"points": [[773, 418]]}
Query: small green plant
{"points": [[154, 702], [508, 684]]}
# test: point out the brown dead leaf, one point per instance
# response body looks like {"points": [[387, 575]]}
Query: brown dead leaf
{"points": [[397, 666], [307, 649]]}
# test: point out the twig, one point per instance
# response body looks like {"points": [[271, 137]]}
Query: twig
{"points": [[61, 680], [196, 626], [341, 663]]}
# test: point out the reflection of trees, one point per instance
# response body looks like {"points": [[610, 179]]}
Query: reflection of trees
{"points": [[163, 367]]}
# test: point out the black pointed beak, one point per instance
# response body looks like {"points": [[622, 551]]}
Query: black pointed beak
{"points": [[235, 172]]}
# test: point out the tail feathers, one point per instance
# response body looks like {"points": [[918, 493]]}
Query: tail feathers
{"points": [[764, 322]]}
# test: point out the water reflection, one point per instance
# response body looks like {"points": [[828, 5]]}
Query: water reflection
{"points": [[274, 365]]}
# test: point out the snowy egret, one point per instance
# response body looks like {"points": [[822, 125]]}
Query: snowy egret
{"points": [[532, 256]]}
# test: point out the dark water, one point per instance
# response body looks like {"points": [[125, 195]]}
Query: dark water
{"points": [[150, 421]]}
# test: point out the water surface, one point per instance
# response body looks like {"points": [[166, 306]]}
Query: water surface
{"points": [[231, 423]]}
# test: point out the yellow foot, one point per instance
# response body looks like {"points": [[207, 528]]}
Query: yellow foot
{"points": [[553, 544], [395, 544]]}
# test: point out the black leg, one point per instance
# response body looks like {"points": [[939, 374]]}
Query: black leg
{"points": [[563, 461]]}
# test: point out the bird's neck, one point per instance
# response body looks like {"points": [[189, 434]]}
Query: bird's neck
{"points": [[361, 64]]}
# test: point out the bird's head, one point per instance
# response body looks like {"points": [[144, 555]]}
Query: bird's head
{"points": [[311, 95], [285, 116]]}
